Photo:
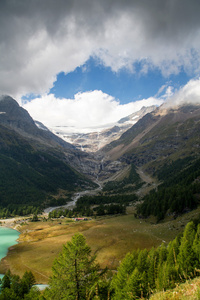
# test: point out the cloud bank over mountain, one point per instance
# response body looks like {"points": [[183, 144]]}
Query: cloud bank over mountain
{"points": [[39, 39], [95, 109], [188, 94], [89, 110]]}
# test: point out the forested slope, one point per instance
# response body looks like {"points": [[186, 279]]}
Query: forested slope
{"points": [[34, 164]]}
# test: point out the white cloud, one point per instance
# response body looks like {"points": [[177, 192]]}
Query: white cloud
{"points": [[87, 110], [188, 94], [39, 39], [95, 109]]}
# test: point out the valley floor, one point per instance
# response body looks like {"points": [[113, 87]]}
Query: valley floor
{"points": [[110, 238]]}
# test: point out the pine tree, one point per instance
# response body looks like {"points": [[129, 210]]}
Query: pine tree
{"points": [[186, 256], [74, 271], [142, 261], [162, 281], [152, 262], [27, 281], [173, 250], [134, 286], [162, 254], [34, 294], [125, 270], [9, 294], [16, 285], [6, 281], [196, 248]]}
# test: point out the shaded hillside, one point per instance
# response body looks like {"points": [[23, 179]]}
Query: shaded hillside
{"points": [[34, 165], [17, 118]]}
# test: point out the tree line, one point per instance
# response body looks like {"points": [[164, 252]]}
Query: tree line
{"points": [[18, 210], [106, 199], [178, 191], [109, 209]]}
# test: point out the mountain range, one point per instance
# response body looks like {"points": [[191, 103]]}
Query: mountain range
{"points": [[38, 168], [162, 135]]}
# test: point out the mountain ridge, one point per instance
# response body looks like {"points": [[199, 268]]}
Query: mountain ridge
{"points": [[18, 119], [145, 129]]}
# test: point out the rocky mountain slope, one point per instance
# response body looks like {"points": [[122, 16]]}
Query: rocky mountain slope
{"points": [[162, 135]]}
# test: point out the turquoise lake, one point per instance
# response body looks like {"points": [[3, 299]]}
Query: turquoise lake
{"points": [[8, 238]]}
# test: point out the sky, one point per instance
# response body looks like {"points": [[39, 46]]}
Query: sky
{"points": [[86, 63]]}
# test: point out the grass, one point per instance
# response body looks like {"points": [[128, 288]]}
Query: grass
{"points": [[110, 238], [189, 290]]}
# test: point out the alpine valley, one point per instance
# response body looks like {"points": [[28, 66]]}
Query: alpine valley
{"points": [[154, 149], [134, 185]]}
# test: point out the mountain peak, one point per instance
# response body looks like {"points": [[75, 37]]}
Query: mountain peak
{"points": [[12, 115]]}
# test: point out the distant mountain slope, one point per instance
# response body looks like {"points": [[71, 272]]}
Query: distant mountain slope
{"points": [[34, 163], [166, 145], [159, 135]]}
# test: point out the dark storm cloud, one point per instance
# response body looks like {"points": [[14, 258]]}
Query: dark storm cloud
{"points": [[40, 38]]}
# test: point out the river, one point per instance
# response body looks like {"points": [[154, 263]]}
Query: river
{"points": [[76, 196]]}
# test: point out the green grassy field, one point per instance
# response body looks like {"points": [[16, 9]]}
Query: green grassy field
{"points": [[110, 238]]}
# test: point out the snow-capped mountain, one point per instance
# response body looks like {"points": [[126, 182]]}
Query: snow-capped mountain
{"points": [[95, 139]]}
